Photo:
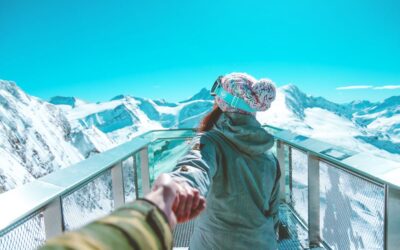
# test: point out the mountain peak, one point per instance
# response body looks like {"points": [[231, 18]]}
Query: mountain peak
{"points": [[163, 102], [290, 87], [359, 105], [7, 84], [203, 94], [66, 100], [393, 100], [390, 105], [293, 92], [10, 87], [119, 97]]}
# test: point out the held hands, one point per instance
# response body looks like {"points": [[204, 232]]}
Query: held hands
{"points": [[164, 197], [188, 203], [181, 202]]}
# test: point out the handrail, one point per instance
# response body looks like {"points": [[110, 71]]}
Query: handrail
{"points": [[44, 193], [377, 169], [20, 202]]}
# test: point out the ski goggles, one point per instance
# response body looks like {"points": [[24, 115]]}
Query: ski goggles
{"points": [[231, 100]]}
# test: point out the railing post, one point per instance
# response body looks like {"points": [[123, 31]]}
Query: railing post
{"points": [[290, 176], [117, 184], [144, 167], [392, 218], [314, 236], [53, 219], [135, 175], [280, 154]]}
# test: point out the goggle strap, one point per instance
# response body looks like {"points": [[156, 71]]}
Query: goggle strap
{"points": [[232, 100]]}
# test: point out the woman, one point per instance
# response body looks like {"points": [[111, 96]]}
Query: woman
{"points": [[231, 165]]}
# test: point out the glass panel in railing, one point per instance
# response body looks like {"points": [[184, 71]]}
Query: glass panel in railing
{"points": [[28, 234], [352, 210], [271, 130], [164, 154], [89, 202], [171, 134], [288, 172], [300, 183], [128, 172], [138, 177]]}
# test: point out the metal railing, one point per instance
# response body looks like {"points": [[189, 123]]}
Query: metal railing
{"points": [[358, 183], [67, 198], [52, 201]]}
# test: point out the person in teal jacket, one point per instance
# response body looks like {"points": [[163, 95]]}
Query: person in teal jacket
{"points": [[230, 163]]}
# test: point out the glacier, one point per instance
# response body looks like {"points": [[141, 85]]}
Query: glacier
{"points": [[38, 137]]}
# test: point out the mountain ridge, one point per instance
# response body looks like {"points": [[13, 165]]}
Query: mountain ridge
{"points": [[29, 125]]}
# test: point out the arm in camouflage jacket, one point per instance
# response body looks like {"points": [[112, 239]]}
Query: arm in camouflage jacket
{"points": [[138, 225]]}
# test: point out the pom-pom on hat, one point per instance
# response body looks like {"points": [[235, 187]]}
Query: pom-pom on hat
{"points": [[258, 94]]}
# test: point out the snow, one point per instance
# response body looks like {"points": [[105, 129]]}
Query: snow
{"points": [[33, 134], [37, 138], [12, 172], [335, 124], [55, 136], [169, 110], [382, 124], [91, 108]]}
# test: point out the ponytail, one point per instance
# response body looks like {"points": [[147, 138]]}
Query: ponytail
{"points": [[210, 119]]}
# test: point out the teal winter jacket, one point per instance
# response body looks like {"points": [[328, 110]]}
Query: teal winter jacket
{"points": [[233, 168]]}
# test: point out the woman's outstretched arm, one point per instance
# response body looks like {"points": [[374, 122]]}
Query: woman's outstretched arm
{"points": [[198, 166], [192, 175]]}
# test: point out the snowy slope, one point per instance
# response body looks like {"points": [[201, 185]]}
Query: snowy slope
{"points": [[124, 117], [343, 125], [35, 138], [382, 124], [360, 125], [38, 137]]}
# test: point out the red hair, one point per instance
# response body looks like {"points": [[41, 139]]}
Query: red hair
{"points": [[210, 119]]}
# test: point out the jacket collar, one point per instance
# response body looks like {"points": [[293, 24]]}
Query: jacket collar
{"points": [[245, 132]]}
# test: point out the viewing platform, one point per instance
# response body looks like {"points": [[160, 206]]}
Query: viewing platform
{"points": [[331, 197]]}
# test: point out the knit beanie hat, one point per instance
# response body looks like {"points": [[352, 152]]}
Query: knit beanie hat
{"points": [[258, 94]]}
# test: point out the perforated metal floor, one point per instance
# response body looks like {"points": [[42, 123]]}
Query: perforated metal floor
{"points": [[182, 234], [292, 234]]}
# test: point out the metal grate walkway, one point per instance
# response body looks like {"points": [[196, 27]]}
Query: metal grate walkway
{"points": [[292, 234]]}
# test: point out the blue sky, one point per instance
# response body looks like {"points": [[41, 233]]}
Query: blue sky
{"points": [[170, 49]]}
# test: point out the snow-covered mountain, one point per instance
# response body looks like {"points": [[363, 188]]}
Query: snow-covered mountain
{"points": [[70, 101], [124, 117], [35, 138], [360, 125], [38, 137]]}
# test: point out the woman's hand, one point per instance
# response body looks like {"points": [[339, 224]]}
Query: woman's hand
{"points": [[188, 202]]}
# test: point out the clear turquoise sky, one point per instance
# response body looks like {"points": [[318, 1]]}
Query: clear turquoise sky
{"points": [[170, 49]]}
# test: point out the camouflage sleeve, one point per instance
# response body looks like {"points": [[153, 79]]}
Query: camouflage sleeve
{"points": [[138, 225], [198, 166]]}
